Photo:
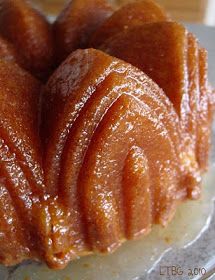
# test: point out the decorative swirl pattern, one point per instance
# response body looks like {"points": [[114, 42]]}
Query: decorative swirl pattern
{"points": [[20, 162], [105, 124], [172, 57], [120, 152]]}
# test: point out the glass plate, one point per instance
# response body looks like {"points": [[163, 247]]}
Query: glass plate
{"points": [[183, 251]]}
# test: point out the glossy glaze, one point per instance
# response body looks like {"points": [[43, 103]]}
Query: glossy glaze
{"points": [[172, 57], [118, 153], [20, 161], [76, 23], [102, 115], [133, 14], [30, 33]]}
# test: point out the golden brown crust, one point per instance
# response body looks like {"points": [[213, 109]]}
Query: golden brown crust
{"points": [[20, 161], [168, 46], [76, 23], [130, 15], [119, 153], [30, 33], [101, 125]]}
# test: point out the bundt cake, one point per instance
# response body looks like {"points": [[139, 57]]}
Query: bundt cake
{"points": [[116, 138]]}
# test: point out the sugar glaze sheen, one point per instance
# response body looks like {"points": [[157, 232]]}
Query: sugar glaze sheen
{"points": [[191, 225], [135, 258], [193, 221]]}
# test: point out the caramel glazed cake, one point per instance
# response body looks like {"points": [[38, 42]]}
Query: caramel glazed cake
{"points": [[105, 125]]}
